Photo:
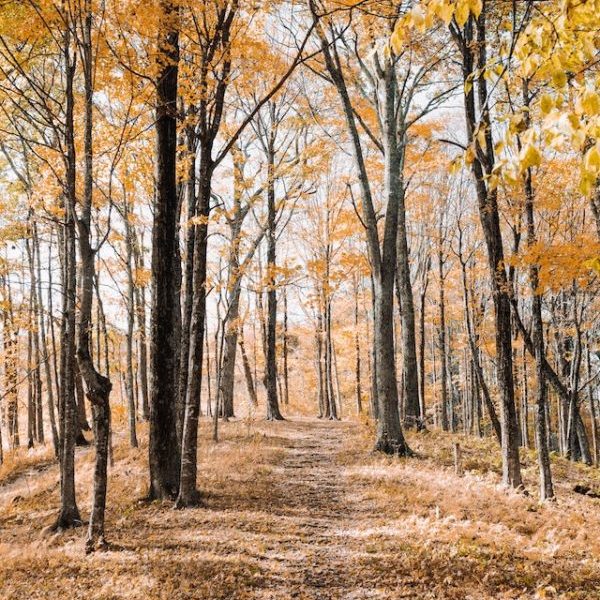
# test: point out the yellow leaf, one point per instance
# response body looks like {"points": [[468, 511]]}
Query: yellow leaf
{"points": [[468, 86], [593, 263], [418, 16], [559, 78], [397, 39], [481, 138], [517, 123], [445, 12], [590, 102], [529, 157], [592, 160], [530, 64], [469, 155], [493, 182], [476, 6], [546, 103], [455, 165], [587, 185], [461, 13]]}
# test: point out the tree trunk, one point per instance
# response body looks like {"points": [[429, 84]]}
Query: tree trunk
{"points": [[273, 412], [81, 424], [69, 513], [480, 384], [524, 404], [474, 63], [247, 371], [390, 438], [331, 412], [188, 278], [31, 401], [357, 370], [285, 351], [140, 299], [537, 332], [442, 345], [229, 355], [130, 376], [592, 403], [374, 400], [422, 296], [164, 450], [188, 492], [44, 357], [98, 387], [321, 389], [413, 418]]}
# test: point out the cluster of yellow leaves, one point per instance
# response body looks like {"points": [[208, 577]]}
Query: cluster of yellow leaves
{"points": [[424, 14], [557, 49], [593, 263], [556, 53], [560, 262]]}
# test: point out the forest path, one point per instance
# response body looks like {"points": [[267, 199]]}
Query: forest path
{"points": [[302, 509], [319, 559], [315, 530], [279, 521]]}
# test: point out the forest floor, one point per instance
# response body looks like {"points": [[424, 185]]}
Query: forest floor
{"points": [[302, 509]]}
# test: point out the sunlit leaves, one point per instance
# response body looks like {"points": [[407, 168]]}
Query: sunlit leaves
{"points": [[529, 157], [593, 263]]}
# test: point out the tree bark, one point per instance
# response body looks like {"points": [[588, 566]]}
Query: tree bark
{"points": [[188, 278], [98, 387], [413, 418], [69, 513], [474, 63], [273, 412], [442, 343], [130, 375], [357, 360], [247, 371], [44, 356], [164, 450], [537, 332], [188, 492], [140, 300], [422, 296], [285, 351], [390, 438], [321, 388]]}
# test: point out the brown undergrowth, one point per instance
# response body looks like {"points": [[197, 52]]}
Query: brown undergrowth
{"points": [[303, 509]]}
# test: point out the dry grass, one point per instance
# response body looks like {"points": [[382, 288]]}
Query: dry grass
{"points": [[21, 461], [303, 509]]}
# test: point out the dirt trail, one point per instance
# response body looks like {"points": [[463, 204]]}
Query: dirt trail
{"points": [[273, 530], [323, 506], [300, 510], [319, 546]]}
